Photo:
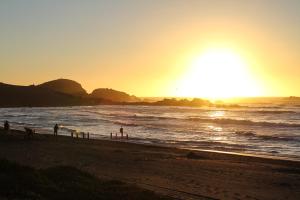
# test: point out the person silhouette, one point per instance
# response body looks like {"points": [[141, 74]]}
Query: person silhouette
{"points": [[6, 125], [121, 131], [55, 129]]}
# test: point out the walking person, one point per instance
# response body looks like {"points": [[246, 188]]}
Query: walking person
{"points": [[6, 125], [55, 129], [121, 131]]}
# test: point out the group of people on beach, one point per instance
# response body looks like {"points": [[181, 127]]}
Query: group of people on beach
{"points": [[6, 127], [56, 128]]}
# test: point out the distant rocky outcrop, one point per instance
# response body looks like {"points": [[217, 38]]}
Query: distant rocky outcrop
{"points": [[183, 102], [29, 96], [64, 92], [60, 92], [65, 86], [113, 95]]}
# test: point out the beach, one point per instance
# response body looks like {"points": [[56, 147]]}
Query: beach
{"points": [[255, 129], [178, 173]]}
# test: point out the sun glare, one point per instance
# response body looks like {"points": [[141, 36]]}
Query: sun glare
{"points": [[218, 73]]}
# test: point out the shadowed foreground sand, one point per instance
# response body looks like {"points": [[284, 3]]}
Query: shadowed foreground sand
{"points": [[169, 171]]}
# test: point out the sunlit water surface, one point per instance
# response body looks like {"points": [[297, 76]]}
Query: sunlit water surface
{"points": [[259, 129]]}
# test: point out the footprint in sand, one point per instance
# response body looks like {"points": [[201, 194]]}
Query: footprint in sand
{"points": [[250, 197], [208, 189], [192, 181], [237, 194], [215, 190], [225, 194]]}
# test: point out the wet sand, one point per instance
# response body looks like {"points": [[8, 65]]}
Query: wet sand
{"points": [[178, 173]]}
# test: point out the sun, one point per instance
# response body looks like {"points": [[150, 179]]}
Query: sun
{"points": [[218, 73]]}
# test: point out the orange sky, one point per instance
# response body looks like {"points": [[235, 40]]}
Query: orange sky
{"points": [[146, 47]]}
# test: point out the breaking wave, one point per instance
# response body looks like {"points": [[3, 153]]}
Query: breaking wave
{"points": [[273, 112], [244, 122], [123, 123], [254, 136]]}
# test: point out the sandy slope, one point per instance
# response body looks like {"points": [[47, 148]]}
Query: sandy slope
{"points": [[164, 170]]}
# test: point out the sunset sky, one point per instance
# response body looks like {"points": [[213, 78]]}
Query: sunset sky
{"points": [[155, 48]]}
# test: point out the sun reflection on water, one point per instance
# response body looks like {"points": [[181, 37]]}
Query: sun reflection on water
{"points": [[217, 113], [215, 128]]}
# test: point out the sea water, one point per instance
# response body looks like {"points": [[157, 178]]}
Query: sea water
{"points": [[272, 130]]}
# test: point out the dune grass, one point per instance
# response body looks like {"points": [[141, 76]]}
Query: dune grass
{"points": [[22, 182]]}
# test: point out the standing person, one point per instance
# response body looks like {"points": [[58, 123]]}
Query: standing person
{"points": [[6, 125], [121, 131], [55, 129]]}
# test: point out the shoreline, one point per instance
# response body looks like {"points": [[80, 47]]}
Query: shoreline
{"points": [[180, 173], [262, 156], [223, 150]]}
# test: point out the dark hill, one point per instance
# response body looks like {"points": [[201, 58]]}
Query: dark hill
{"points": [[16, 96], [113, 95], [65, 86], [63, 92]]}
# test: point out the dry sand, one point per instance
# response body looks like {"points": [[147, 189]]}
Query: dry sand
{"points": [[202, 175]]}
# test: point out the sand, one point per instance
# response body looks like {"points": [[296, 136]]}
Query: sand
{"points": [[169, 171]]}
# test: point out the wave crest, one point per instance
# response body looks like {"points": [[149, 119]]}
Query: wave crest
{"points": [[243, 122], [253, 135]]}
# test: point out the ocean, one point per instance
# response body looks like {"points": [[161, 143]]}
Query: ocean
{"points": [[258, 129]]}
